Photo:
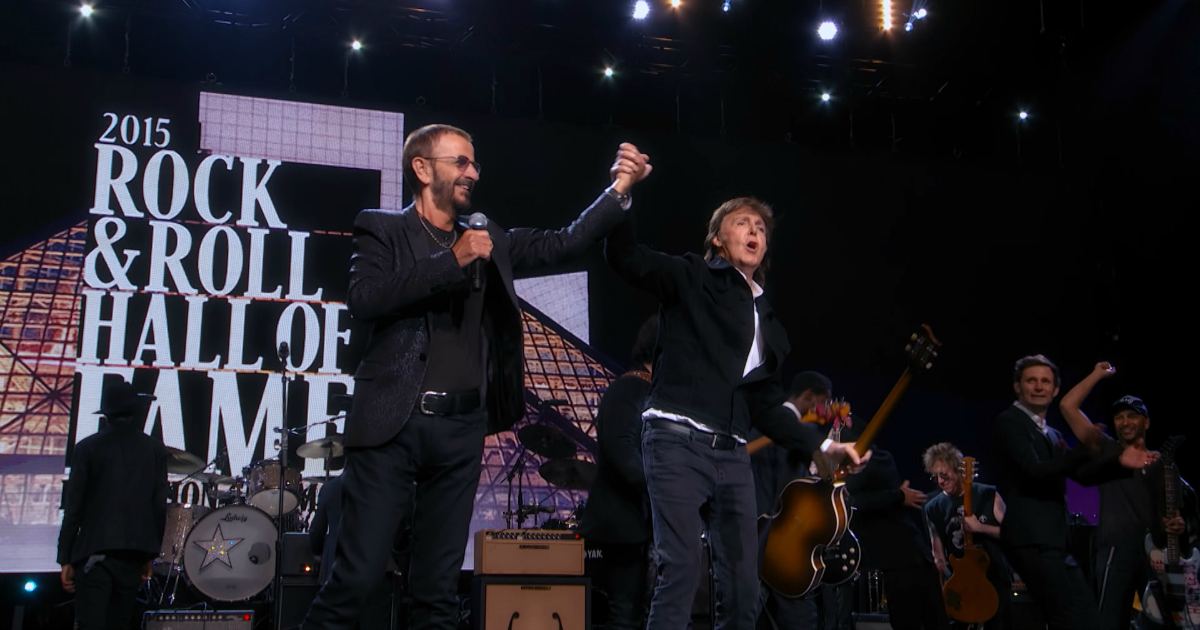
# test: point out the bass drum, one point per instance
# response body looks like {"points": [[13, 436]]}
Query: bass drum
{"points": [[229, 553]]}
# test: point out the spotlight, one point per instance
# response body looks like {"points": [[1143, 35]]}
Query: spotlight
{"points": [[921, 13], [356, 45], [825, 97], [675, 4], [827, 30], [641, 9], [608, 72], [30, 586], [886, 6], [908, 27], [725, 6], [86, 10], [1023, 115]]}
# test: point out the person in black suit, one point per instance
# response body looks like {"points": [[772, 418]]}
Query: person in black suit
{"points": [[115, 513], [717, 374], [617, 516], [1032, 463], [885, 509], [443, 368]]}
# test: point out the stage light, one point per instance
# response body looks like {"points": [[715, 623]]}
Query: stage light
{"points": [[1024, 114], [356, 45], [86, 10], [30, 586], [675, 4], [725, 6], [908, 27], [608, 72], [886, 6], [827, 30], [825, 97], [641, 9]]}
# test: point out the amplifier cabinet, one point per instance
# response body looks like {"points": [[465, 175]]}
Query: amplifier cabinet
{"points": [[528, 552], [194, 620], [531, 603]]}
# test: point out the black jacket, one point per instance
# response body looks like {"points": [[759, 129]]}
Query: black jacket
{"points": [[392, 275], [618, 506], [885, 527], [116, 496], [1032, 470], [706, 328]]}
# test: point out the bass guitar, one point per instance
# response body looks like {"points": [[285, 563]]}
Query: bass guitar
{"points": [[970, 597], [1177, 576], [814, 512]]}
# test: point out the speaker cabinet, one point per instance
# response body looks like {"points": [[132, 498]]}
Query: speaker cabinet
{"points": [[531, 603]]}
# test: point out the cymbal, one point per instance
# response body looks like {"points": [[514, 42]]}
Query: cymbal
{"points": [[546, 441], [214, 478], [320, 449], [568, 474], [182, 462]]}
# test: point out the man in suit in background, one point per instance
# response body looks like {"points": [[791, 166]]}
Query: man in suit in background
{"points": [[116, 512], [1032, 463], [443, 368], [617, 517]]}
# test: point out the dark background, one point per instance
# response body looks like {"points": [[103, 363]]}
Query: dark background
{"points": [[914, 196]]}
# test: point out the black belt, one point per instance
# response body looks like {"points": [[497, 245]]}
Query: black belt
{"points": [[448, 404], [719, 441]]}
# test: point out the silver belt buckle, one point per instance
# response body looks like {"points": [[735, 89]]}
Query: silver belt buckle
{"points": [[424, 397]]}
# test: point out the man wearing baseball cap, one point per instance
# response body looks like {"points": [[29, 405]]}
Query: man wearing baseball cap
{"points": [[115, 512], [1129, 507]]}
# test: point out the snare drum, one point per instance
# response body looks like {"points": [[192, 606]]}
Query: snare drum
{"points": [[262, 487], [229, 555], [181, 518]]}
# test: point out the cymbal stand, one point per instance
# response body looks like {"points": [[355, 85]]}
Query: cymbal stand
{"points": [[518, 471]]}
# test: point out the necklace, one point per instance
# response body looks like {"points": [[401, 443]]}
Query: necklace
{"points": [[453, 233]]}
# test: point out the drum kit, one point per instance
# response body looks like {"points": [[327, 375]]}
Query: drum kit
{"points": [[560, 469], [226, 550]]}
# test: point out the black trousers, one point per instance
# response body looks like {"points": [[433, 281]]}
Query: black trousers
{"points": [[1057, 586], [433, 464], [787, 613], [914, 598], [622, 574], [106, 593], [1121, 570], [836, 603], [695, 488]]}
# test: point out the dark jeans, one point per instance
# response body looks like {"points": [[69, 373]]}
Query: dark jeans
{"points": [[622, 574], [1057, 586], [695, 488], [837, 606], [914, 598], [434, 461], [1121, 570], [106, 593], [787, 613]]}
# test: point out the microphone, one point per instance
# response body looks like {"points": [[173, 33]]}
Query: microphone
{"points": [[477, 222], [283, 351]]}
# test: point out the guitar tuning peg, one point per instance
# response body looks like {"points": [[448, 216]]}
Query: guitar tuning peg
{"points": [[929, 365], [913, 336]]}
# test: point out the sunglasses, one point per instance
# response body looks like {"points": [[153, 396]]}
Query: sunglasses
{"points": [[461, 162], [939, 476]]}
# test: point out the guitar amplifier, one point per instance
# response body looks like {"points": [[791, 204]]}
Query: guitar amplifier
{"points": [[511, 602], [528, 552], [193, 620]]}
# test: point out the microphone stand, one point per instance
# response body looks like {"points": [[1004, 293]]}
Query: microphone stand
{"points": [[283, 455]]}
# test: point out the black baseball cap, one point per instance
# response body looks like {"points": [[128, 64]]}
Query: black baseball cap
{"points": [[1130, 402]]}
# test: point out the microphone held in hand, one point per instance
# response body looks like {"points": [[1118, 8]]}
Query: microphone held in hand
{"points": [[477, 221]]}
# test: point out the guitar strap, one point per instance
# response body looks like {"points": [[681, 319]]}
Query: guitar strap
{"points": [[1104, 582]]}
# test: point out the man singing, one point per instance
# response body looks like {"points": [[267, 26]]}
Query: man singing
{"points": [[443, 368], [717, 374]]}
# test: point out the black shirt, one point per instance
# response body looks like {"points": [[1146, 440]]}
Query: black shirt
{"points": [[617, 510], [116, 496], [1127, 507], [945, 516], [455, 318]]}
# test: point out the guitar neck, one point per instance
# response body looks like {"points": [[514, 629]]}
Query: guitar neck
{"points": [[1171, 554], [885, 410], [968, 540]]}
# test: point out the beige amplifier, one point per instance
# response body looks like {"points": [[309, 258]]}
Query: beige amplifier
{"points": [[528, 552]]}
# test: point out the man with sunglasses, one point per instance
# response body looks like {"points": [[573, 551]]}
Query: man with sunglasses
{"points": [[443, 368]]}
